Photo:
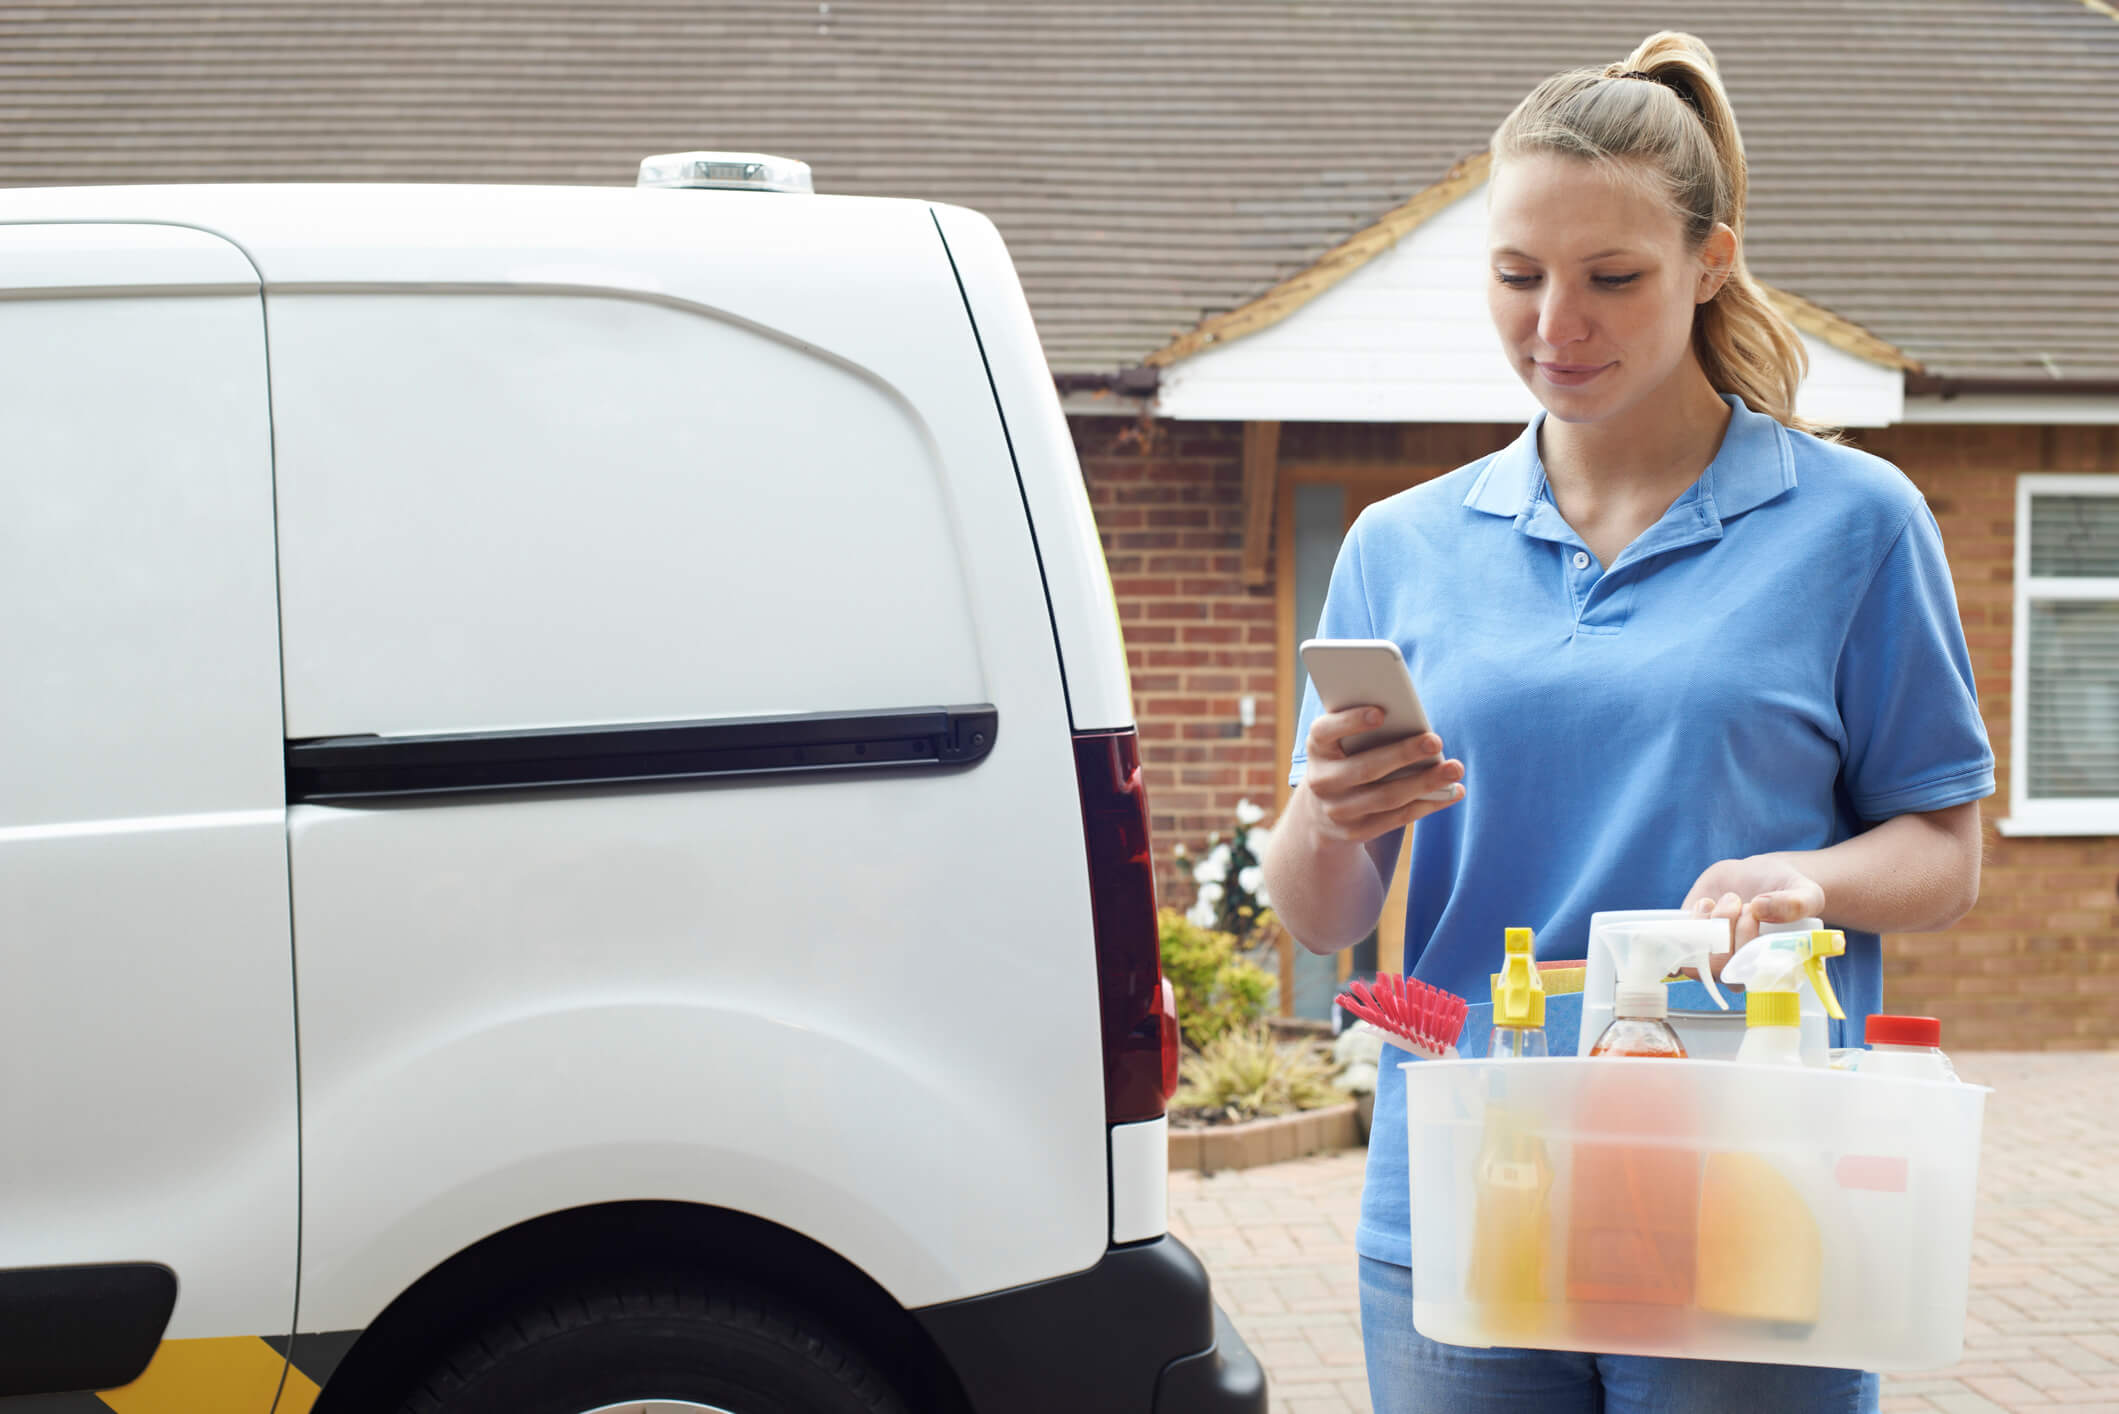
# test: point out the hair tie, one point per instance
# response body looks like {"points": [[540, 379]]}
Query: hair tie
{"points": [[1682, 90]]}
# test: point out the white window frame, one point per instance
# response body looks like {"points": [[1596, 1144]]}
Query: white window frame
{"points": [[2088, 816]]}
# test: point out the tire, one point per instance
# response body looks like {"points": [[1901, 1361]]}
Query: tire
{"points": [[637, 1342]]}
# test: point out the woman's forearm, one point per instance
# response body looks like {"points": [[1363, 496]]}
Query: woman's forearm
{"points": [[1914, 873], [1326, 893]]}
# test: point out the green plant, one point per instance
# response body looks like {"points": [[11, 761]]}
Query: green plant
{"points": [[1245, 1074], [1217, 991]]}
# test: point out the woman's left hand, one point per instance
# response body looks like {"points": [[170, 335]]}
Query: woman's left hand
{"points": [[1765, 888]]}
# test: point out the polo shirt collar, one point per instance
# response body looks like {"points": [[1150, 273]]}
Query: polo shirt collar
{"points": [[1755, 464]]}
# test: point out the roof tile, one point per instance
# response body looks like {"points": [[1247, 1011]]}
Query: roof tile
{"points": [[1944, 175]]}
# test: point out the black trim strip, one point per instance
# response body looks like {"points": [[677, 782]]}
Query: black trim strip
{"points": [[356, 767], [64, 1329]]}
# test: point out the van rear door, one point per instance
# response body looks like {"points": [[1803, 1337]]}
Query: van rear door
{"points": [[147, 1092]]}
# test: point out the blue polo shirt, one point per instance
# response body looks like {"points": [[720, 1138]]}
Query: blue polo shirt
{"points": [[1776, 664]]}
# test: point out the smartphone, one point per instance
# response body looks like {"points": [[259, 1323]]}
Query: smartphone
{"points": [[1370, 672]]}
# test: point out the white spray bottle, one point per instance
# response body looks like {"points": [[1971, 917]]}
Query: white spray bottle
{"points": [[1762, 1252], [1643, 954], [1767, 968]]}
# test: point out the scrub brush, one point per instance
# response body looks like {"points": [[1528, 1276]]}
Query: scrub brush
{"points": [[1422, 1019]]}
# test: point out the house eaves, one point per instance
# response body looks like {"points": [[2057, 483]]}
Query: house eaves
{"points": [[1462, 179]]}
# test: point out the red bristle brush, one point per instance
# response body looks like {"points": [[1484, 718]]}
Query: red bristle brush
{"points": [[1422, 1019]]}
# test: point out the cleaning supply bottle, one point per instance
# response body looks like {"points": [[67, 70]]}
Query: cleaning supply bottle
{"points": [[1519, 1002], [1767, 968], [1511, 1239], [1908, 1046], [1761, 1252], [1646, 954], [1633, 1217]]}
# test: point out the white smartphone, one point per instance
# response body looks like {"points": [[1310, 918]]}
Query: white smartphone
{"points": [[1370, 672]]}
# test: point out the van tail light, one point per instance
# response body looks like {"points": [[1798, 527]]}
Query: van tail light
{"points": [[1139, 1012]]}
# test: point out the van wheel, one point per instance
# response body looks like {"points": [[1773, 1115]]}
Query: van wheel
{"points": [[667, 1347]]}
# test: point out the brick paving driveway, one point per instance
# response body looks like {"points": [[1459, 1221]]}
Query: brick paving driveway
{"points": [[2042, 1332]]}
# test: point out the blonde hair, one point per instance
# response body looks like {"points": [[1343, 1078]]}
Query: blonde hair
{"points": [[1661, 114]]}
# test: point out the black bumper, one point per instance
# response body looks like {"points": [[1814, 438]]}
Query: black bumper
{"points": [[1138, 1333]]}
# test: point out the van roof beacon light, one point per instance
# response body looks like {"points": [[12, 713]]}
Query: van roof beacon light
{"points": [[726, 171]]}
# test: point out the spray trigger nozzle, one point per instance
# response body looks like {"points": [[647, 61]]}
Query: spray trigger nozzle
{"points": [[1646, 954], [1519, 992], [1769, 963]]}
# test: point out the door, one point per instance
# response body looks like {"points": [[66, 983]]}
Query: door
{"points": [[147, 1065], [1318, 505]]}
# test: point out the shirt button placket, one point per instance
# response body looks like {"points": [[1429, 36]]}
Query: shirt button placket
{"points": [[1582, 583]]}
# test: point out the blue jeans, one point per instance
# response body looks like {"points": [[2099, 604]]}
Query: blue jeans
{"points": [[1410, 1374]]}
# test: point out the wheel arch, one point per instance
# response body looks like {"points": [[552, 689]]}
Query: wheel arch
{"points": [[450, 1303]]}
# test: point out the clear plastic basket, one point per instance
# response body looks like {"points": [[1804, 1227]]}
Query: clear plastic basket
{"points": [[1693, 1208]]}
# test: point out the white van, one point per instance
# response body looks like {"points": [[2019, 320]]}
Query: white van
{"points": [[570, 823]]}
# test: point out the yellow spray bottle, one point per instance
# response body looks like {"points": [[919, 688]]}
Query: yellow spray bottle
{"points": [[1511, 1234], [1519, 1002]]}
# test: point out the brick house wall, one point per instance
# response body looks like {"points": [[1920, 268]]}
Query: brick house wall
{"points": [[1171, 517], [2034, 966]]}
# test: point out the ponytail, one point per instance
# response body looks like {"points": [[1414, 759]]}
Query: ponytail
{"points": [[1662, 113]]}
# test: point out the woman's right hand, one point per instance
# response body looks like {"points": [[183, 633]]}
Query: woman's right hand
{"points": [[1349, 799]]}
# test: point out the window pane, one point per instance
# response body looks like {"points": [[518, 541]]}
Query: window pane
{"points": [[2074, 699], [2075, 537]]}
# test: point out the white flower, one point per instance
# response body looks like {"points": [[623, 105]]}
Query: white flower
{"points": [[1201, 914], [1210, 894], [1247, 813], [1251, 880], [1183, 853], [1255, 840], [1214, 868]]}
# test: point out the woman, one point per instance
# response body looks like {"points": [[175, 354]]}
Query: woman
{"points": [[1689, 656]]}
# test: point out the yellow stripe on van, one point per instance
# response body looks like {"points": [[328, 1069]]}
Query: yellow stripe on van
{"points": [[299, 1393], [229, 1375]]}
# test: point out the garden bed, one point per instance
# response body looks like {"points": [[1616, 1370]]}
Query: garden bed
{"points": [[1249, 1143]]}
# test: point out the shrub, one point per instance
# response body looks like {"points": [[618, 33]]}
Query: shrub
{"points": [[1230, 879], [1217, 991], [1245, 1074]]}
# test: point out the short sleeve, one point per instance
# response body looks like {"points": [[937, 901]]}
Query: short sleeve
{"points": [[1907, 703], [1346, 615]]}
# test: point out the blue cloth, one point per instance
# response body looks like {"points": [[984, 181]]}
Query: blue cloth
{"points": [[1410, 1374], [1776, 664]]}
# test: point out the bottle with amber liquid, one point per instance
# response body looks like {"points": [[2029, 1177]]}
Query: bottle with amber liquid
{"points": [[1634, 1218], [1636, 1030]]}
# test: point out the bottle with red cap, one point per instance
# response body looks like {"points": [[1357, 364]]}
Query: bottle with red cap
{"points": [[1906, 1046]]}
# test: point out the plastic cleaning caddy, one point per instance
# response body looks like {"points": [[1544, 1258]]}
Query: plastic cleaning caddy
{"points": [[1886, 1168]]}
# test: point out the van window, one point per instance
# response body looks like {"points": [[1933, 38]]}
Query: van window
{"points": [[507, 511]]}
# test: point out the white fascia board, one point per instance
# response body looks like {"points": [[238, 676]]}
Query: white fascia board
{"points": [[1407, 338], [1106, 405], [2050, 408]]}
